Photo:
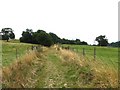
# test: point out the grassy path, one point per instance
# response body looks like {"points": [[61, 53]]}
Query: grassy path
{"points": [[67, 74], [61, 74], [57, 69], [52, 75]]}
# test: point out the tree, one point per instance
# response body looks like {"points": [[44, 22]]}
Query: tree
{"points": [[39, 37], [12, 35], [102, 41], [46, 39], [7, 33], [84, 43], [26, 36], [114, 44], [78, 42], [55, 38], [43, 38]]}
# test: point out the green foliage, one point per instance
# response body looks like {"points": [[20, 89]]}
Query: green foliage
{"points": [[115, 44], [5, 37], [102, 41], [26, 36], [7, 33], [75, 42], [12, 35], [55, 38], [39, 37], [44, 38]]}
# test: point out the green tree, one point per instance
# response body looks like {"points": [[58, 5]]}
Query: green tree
{"points": [[26, 36], [43, 38], [7, 33], [55, 38], [39, 37], [77, 41], [102, 41]]}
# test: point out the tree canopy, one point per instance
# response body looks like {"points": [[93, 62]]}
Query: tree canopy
{"points": [[39, 37], [102, 41], [114, 44], [55, 38], [46, 39], [7, 33]]}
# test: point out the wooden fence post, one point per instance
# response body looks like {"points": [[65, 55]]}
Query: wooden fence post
{"points": [[94, 53], [83, 51], [32, 47]]}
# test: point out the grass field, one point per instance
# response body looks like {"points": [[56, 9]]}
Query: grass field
{"points": [[55, 67], [108, 55], [9, 51]]}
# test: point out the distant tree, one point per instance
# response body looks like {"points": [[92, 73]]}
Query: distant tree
{"points": [[26, 36], [12, 35], [84, 43], [43, 38], [46, 39], [74, 42], [55, 38], [41, 31], [39, 37], [102, 41], [65, 41], [7, 33], [78, 42], [114, 44]]}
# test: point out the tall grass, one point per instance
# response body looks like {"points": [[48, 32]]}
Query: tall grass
{"points": [[9, 51], [106, 54], [97, 73], [69, 68], [19, 73]]}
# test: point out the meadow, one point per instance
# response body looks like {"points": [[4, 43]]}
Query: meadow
{"points": [[55, 67], [108, 55], [9, 51]]}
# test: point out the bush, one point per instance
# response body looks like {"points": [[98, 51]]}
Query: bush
{"points": [[39, 37]]}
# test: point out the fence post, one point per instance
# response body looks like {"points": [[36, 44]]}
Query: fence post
{"points": [[32, 47], [94, 53], [16, 53], [83, 51]]}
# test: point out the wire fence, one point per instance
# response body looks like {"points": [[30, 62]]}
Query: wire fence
{"points": [[32, 48], [11, 53], [83, 51], [97, 53], [92, 53]]}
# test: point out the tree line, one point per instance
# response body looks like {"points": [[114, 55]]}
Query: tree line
{"points": [[47, 39], [115, 44]]}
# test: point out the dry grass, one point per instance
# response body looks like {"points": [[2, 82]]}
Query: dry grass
{"points": [[104, 76], [68, 55], [18, 73], [99, 75]]}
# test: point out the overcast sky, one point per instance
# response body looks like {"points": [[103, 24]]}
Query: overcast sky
{"points": [[70, 19]]}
